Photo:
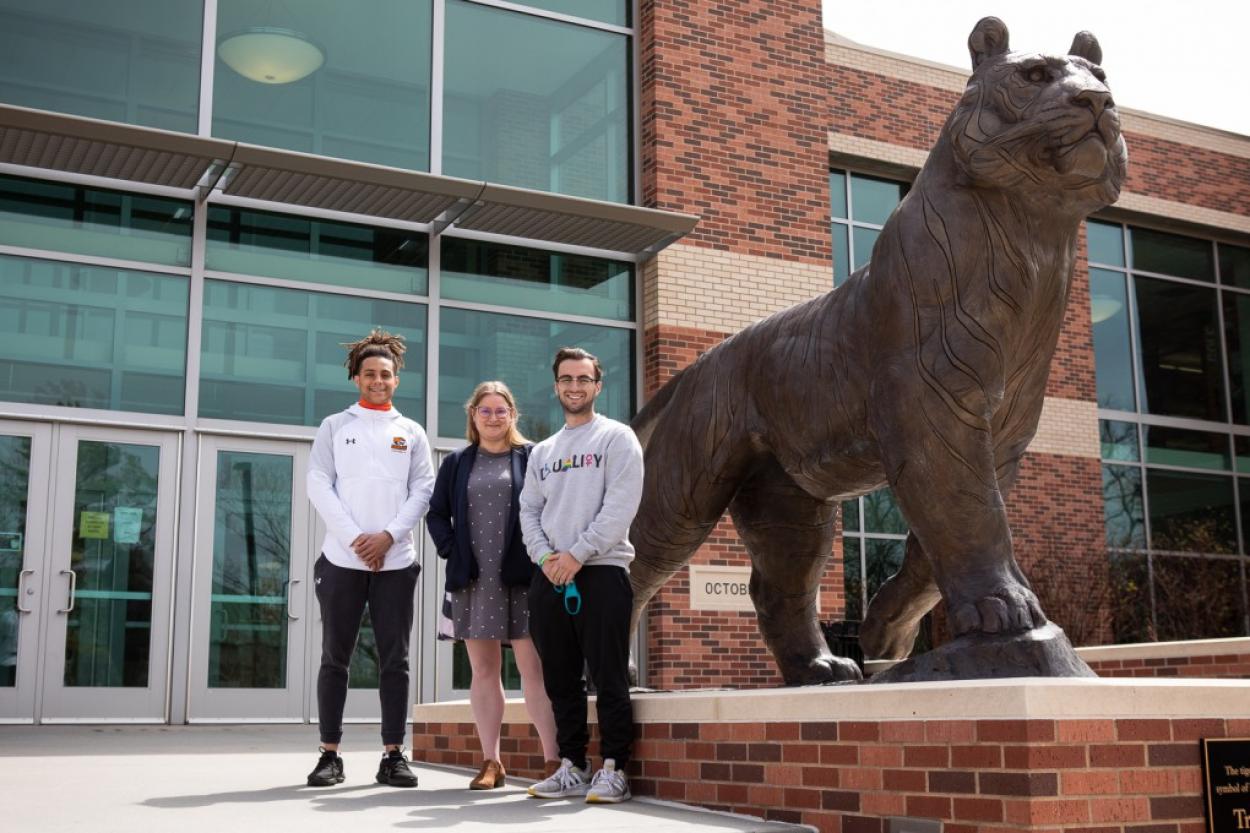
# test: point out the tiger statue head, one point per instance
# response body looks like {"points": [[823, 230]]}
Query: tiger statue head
{"points": [[1040, 125]]}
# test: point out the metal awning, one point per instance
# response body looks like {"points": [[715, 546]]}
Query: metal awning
{"points": [[38, 139]]}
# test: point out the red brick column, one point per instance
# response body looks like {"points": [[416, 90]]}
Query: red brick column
{"points": [[733, 99]]}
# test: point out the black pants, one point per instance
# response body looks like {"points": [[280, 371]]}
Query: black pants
{"points": [[343, 594], [598, 639]]}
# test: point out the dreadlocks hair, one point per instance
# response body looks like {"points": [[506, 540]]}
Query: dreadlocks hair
{"points": [[378, 343]]}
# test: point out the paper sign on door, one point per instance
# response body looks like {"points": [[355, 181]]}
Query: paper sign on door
{"points": [[93, 525], [127, 523]]}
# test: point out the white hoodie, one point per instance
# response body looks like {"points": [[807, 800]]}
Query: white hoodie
{"points": [[370, 471]]}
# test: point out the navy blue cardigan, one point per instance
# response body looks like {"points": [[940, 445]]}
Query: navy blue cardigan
{"points": [[448, 521]]}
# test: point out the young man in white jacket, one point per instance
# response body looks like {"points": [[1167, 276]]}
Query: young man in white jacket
{"points": [[370, 478]]}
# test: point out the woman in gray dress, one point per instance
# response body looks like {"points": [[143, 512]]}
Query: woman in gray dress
{"points": [[474, 523]]}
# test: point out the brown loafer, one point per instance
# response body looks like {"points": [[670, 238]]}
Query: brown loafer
{"points": [[490, 776]]}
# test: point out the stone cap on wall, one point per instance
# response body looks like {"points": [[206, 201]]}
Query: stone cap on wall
{"points": [[1027, 698], [1167, 650]]}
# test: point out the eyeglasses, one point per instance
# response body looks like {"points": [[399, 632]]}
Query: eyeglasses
{"points": [[572, 597], [569, 381], [497, 413]]}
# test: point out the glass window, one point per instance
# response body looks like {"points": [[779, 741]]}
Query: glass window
{"points": [[108, 639], [92, 337], [841, 255], [317, 251], [536, 103], [837, 195], [1191, 512], [864, 239], [1241, 458], [516, 276], [251, 563], [350, 80], [136, 62], [1119, 440], [1129, 585], [1189, 449], [1198, 598], [1180, 350], [1234, 266], [275, 355], [604, 11], [14, 501], [1113, 352], [476, 346], [853, 578], [1172, 254], [881, 513], [1237, 343], [1105, 243], [55, 216], [873, 200], [882, 559], [850, 515], [1123, 513]]}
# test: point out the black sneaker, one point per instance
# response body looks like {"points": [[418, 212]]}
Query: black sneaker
{"points": [[329, 770], [394, 771]]}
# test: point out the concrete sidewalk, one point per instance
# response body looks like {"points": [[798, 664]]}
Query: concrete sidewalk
{"points": [[197, 779]]}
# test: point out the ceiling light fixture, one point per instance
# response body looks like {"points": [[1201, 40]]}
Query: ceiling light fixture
{"points": [[270, 55], [1102, 307]]}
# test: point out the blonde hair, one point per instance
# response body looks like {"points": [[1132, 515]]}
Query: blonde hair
{"points": [[515, 437]]}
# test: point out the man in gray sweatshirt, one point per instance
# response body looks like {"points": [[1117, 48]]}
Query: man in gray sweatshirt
{"points": [[582, 489]]}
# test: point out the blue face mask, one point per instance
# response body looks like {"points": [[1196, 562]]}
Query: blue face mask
{"points": [[572, 598]]}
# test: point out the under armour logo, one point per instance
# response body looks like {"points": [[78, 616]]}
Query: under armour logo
{"points": [[349, 441]]}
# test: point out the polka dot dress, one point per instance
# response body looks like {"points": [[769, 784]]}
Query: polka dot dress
{"points": [[487, 609]]}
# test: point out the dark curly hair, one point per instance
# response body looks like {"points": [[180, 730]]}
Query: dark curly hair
{"points": [[378, 343]]}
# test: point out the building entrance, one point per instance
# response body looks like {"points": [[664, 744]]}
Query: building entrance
{"points": [[86, 563]]}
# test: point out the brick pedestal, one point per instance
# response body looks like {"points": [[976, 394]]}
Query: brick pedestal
{"points": [[1096, 756]]}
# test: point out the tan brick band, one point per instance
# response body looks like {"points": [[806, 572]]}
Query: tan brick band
{"points": [[1157, 207], [871, 149], [712, 289], [1068, 427]]}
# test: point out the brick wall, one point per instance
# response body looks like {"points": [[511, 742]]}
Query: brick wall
{"points": [[1210, 658], [1218, 666], [1005, 756], [732, 100]]}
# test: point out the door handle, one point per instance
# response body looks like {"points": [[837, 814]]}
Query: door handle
{"points": [[73, 585], [290, 585], [21, 580]]}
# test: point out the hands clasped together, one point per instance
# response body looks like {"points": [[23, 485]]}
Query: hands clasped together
{"points": [[560, 568], [371, 548]]}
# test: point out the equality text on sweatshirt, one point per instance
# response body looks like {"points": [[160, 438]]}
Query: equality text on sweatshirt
{"points": [[582, 490]]}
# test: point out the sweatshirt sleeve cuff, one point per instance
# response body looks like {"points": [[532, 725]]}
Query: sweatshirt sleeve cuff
{"points": [[348, 536], [581, 551]]}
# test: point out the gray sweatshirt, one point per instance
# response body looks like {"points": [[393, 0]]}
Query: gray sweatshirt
{"points": [[582, 490]]}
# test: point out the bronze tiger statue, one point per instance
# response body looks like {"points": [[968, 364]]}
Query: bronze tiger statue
{"points": [[925, 371]]}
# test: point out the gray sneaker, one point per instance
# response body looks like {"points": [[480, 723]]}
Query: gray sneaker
{"points": [[566, 781], [609, 786]]}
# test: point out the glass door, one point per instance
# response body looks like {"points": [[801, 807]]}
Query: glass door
{"points": [[25, 460], [252, 583], [110, 569]]}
